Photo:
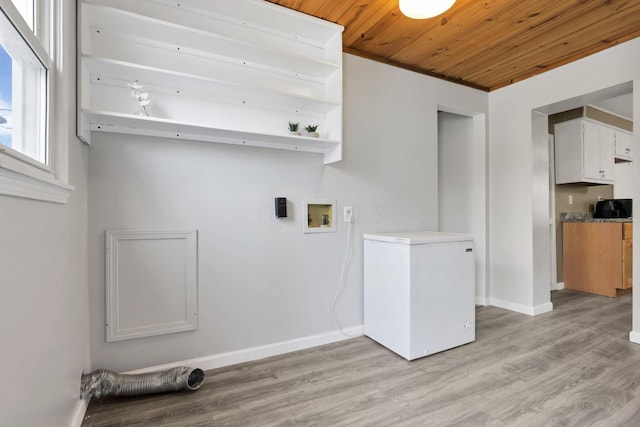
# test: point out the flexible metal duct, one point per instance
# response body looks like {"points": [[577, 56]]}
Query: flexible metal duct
{"points": [[102, 382]]}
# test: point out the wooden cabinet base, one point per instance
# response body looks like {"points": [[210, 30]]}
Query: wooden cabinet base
{"points": [[593, 255], [620, 292]]}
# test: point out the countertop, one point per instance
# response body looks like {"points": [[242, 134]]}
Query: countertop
{"points": [[588, 217]]}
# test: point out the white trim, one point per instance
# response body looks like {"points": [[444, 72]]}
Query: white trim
{"points": [[28, 187], [21, 176], [553, 238], [114, 286], [23, 158], [522, 308], [482, 301], [79, 412], [634, 337], [64, 81], [240, 356], [542, 308], [557, 286]]}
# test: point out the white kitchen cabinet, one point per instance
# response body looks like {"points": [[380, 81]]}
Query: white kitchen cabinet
{"points": [[599, 142], [584, 152], [223, 71], [623, 146]]}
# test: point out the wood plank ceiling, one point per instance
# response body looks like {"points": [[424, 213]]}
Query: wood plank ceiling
{"points": [[486, 44]]}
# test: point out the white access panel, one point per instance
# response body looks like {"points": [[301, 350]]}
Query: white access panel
{"points": [[419, 291], [151, 282]]}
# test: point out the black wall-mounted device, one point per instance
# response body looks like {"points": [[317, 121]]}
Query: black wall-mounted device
{"points": [[281, 207]]}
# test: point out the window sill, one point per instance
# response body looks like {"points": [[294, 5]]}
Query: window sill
{"points": [[20, 179]]}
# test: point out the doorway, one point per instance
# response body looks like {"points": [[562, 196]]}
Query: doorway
{"points": [[462, 184], [579, 198]]}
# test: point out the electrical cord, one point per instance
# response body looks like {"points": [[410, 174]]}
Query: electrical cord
{"points": [[347, 256]]}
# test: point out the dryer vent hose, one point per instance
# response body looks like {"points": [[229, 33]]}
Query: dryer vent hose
{"points": [[101, 382]]}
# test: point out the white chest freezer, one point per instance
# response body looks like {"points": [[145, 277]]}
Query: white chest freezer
{"points": [[419, 291]]}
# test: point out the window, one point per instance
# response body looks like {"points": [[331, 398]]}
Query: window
{"points": [[23, 95], [25, 7], [33, 123], [5, 97]]}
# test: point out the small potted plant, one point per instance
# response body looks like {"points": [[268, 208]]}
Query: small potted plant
{"points": [[293, 128], [311, 131]]}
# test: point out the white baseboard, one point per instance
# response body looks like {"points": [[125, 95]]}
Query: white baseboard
{"points": [[521, 308], [557, 286], [234, 357], [482, 301], [79, 412], [542, 308], [634, 337]]}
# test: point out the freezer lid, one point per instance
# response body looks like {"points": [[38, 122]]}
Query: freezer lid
{"points": [[418, 237]]}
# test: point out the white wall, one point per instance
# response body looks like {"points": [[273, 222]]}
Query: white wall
{"points": [[462, 184], [43, 305], [44, 319], [261, 281], [512, 215], [634, 335], [455, 172], [541, 216]]}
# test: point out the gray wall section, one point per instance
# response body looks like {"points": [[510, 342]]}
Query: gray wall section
{"points": [[513, 220], [44, 318], [455, 173], [43, 304], [462, 186], [261, 280], [541, 242]]}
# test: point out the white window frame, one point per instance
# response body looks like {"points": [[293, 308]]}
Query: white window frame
{"points": [[20, 175]]}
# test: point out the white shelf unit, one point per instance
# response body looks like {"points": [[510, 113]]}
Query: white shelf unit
{"points": [[233, 72]]}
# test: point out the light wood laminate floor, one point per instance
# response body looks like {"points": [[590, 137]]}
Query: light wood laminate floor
{"points": [[574, 366]]}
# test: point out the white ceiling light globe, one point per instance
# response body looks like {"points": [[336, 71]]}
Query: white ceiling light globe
{"points": [[423, 9]]}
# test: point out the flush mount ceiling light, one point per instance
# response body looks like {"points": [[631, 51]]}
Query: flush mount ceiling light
{"points": [[423, 9]]}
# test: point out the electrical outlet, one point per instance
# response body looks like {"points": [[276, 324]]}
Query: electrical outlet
{"points": [[348, 214]]}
